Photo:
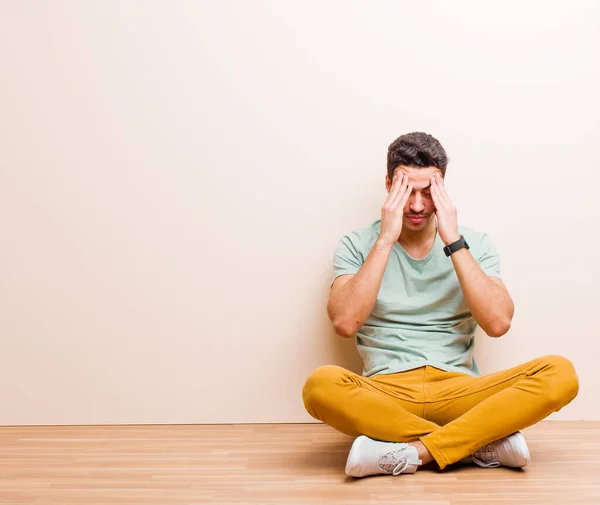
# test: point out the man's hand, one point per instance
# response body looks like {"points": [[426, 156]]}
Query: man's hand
{"points": [[392, 211], [444, 210]]}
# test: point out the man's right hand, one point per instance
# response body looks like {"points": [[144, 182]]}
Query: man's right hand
{"points": [[392, 212]]}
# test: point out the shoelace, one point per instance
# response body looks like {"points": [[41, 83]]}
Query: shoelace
{"points": [[395, 462], [487, 457]]}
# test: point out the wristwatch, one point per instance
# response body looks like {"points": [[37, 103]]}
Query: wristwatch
{"points": [[456, 246]]}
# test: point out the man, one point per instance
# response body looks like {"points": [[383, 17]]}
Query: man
{"points": [[412, 287]]}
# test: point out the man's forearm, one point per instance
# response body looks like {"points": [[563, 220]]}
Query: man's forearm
{"points": [[490, 302], [355, 300]]}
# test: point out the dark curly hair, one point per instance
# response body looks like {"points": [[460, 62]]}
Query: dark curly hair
{"points": [[416, 149]]}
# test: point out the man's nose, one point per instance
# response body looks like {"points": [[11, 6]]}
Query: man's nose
{"points": [[416, 203]]}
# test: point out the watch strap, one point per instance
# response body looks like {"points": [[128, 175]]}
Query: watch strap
{"points": [[461, 243]]}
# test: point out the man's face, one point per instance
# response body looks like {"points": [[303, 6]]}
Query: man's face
{"points": [[420, 203]]}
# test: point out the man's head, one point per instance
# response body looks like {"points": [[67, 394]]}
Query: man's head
{"points": [[420, 156]]}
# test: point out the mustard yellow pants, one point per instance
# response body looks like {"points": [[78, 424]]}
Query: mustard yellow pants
{"points": [[452, 413]]}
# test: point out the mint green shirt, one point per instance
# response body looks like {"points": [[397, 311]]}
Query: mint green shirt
{"points": [[420, 316]]}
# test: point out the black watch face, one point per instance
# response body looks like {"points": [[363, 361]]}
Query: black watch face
{"points": [[456, 246]]}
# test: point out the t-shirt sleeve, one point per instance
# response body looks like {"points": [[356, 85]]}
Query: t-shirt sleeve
{"points": [[347, 258], [489, 259]]}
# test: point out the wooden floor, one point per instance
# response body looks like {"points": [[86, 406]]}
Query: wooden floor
{"points": [[273, 464]]}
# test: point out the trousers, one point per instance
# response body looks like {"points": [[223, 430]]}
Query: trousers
{"points": [[452, 413]]}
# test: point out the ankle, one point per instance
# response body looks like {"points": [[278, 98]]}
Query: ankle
{"points": [[424, 454]]}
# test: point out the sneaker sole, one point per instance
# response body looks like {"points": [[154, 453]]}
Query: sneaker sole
{"points": [[352, 462], [519, 446]]}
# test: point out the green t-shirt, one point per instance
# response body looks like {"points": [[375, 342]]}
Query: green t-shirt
{"points": [[420, 316]]}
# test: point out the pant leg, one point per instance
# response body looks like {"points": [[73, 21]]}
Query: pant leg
{"points": [[475, 411], [358, 405]]}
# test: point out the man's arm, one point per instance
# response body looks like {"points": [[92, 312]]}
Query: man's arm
{"points": [[353, 297], [487, 297]]}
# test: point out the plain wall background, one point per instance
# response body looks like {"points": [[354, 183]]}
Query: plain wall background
{"points": [[174, 177]]}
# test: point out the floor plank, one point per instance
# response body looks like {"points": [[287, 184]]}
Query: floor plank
{"points": [[273, 464]]}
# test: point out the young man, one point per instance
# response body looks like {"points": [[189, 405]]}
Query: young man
{"points": [[412, 287]]}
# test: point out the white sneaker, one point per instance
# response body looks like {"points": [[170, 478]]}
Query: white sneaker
{"points": [[509, 451], [371, 457]]}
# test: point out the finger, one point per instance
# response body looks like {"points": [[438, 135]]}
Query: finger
{"points": [[396, 183], [400, 182], [401, 193], [442, 190], [435, 194], [405, 197]]}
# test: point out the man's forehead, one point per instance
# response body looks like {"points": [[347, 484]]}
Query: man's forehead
{"points": [[418, 177]]}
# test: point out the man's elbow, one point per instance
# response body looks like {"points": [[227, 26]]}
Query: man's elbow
{"points": [[344, 328], [498, 329]]}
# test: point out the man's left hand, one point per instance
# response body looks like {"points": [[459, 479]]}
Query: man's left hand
{"points": [[444, 210]]}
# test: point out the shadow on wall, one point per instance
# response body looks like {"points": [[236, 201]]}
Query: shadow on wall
{"points": [[340, 351], [485, 351], [345, 353], [316, 343]]}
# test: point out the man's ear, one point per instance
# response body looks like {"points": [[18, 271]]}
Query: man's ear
{"points": [[388, 183]]}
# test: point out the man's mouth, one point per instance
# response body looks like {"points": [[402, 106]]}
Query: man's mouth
{"points": [[416, 219]]}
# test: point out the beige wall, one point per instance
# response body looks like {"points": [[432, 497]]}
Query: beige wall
{"points": [[174, 177]]}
